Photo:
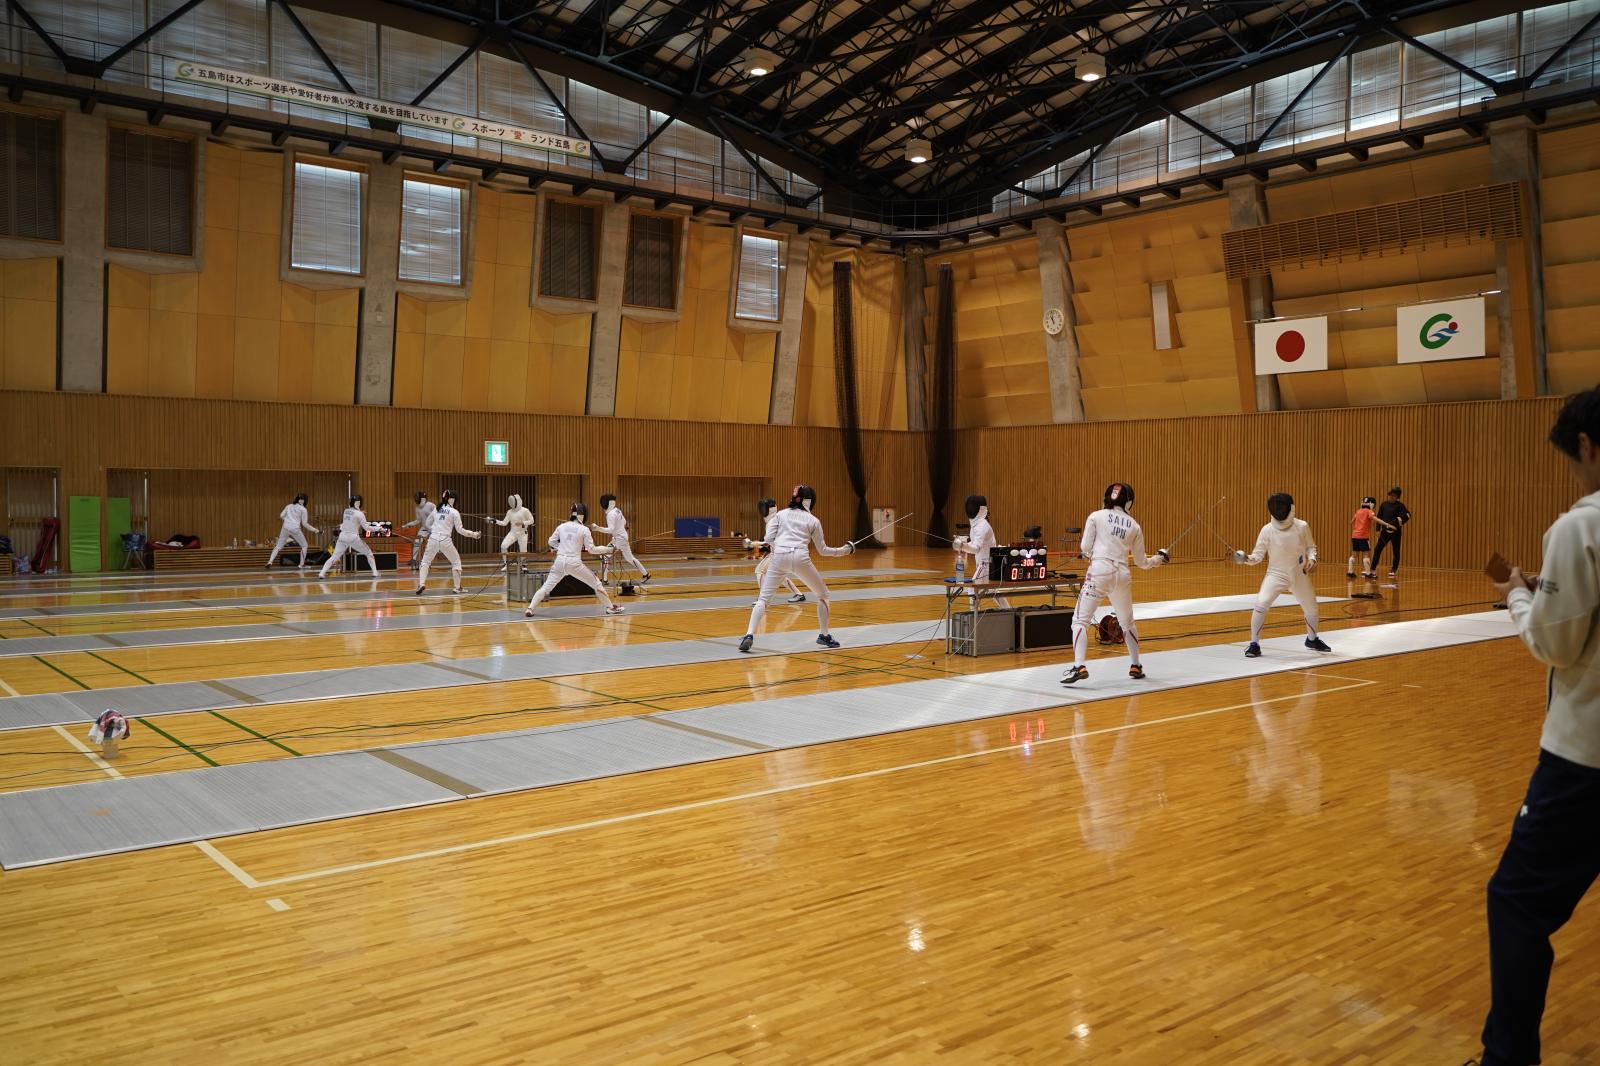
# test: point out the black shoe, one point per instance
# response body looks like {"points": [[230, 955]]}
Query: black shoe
{"points": [[746, 641], [1316, 644], [826, 640], [1350, 574], [645, 580], [421, 589], [1076, 674], [1136, 672], [1253, 651]]}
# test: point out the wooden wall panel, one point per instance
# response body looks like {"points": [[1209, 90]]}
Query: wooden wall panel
{"points": [[86, 435], [28, 292], [1461, 465], [1569, 168], [651, 503]]}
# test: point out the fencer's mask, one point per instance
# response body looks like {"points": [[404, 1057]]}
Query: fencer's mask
{"points": [[1119, 494], [1280, 505], [804, 496], [977, 507]]}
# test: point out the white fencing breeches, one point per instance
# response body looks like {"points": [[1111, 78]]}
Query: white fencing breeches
{"points": [[783, 567], [761, 572], [285, 535], [566, 566], [418, 547], [626, 551], [1104, 581], [519, 537], [348, 543], [446, 546], [1276, 584]]}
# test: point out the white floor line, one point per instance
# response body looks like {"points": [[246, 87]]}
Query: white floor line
{"points": [[88, 752], [211, 852], [720, 801], [9, 690], [277, 904]]}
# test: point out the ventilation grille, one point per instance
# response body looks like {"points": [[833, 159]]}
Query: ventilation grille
{"points": [[1489, 213], [567, 269], [652, 249], [30, 176], [150, 193]]}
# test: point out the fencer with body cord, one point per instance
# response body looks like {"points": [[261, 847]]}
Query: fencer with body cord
{"points": [[446, 522], [767, 508], [617, 527], [1110, 537], [423, 522], [798, 530], [1285, 543], [518, 520], [979, 539], [351, 526], [295, 522], [570, 540]]}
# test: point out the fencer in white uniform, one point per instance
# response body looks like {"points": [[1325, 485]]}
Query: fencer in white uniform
{"points": [[1285, 543], [446, 523], [570, 540], [351, 527], [518, 521], [423, 522], [979, 539], [295, 522], [1110, 536], [797, 531], [617, 526], [768, 509]]}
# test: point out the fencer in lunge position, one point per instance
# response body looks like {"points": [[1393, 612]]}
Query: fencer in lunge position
{"points": [[423, 522], [979, 539], [1285, 543], [1110, 536], [295, 522], [351, 527], [617, 526], [797, 530], [446, 522], [570, 540], [519, 520], [767, 507]]}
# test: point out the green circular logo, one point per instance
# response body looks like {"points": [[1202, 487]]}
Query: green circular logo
{"points": [[1437, 332]]}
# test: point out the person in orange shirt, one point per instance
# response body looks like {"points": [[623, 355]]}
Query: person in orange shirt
{"points": [[1361, 538]]}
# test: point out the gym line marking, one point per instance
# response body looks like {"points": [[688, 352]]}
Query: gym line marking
{"points": [[804, 786]]}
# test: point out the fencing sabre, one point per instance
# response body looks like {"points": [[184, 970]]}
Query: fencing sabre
{"points": [[1197, 518], [880, 529]]}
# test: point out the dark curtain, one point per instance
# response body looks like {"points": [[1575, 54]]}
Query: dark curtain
{"points": [[844, 376], [942, 420]]}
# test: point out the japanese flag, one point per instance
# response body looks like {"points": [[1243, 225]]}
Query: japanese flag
{"points": [[1292, 345]]}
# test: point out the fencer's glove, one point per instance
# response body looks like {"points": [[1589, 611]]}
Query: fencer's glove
{"points": [[749, 544], [1166, 556], [1239, 556], [959, 543]]}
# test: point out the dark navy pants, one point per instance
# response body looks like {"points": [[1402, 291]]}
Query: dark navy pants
{"points": [[1388, 538], [1552, 858]]}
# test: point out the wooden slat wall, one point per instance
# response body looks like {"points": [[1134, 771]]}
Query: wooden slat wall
{"points": [[85, 435], [1477, 476]]}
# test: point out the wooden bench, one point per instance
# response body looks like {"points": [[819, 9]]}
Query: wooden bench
{"points": [[6, 565], [211, 558]]}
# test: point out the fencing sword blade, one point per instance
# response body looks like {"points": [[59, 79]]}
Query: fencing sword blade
{"points": [[880, 529]]}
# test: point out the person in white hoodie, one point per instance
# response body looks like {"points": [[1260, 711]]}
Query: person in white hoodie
{"points": [[295, 522], [351, 526], [617, 526], [768, 509], [1110, 536], [446, 523], [570, 540], [797, 531], [518, 520], [1553, 856], [1285, 543]]}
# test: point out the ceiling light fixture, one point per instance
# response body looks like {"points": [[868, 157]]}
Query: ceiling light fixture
{"points": [[759, 61], [1091, 66], [919, 150]]}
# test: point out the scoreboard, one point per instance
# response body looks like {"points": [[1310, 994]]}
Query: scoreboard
{"points": [[1019, 562]]}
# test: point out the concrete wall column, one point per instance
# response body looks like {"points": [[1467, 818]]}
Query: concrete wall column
{"points": [[913, 331], [375, 353], [1061, 350], [786, 354], [83, 267], [1519, 266], [605, 336], [1247, 207]]}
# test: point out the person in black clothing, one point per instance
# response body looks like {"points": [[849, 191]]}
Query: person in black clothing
{"points": [[1392, 516]]}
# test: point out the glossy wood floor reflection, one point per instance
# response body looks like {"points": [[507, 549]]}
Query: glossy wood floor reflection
{"points": [[1287, 870]]}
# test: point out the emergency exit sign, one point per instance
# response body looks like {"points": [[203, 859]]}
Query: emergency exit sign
{"points": [[496, 452]]}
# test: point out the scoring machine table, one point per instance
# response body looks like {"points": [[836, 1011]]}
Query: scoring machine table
{"points": [[977, 590]]}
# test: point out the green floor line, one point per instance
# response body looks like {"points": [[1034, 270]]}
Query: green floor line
{"points": [[192, 751], [252, 732], [118, 666], [62, 672]]}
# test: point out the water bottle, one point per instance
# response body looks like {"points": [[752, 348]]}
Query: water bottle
{"points": [[961, 566]]}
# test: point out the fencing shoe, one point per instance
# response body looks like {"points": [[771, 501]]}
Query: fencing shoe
{"points": [[798, 597], [1136, 672], [1253, 651], [1076, 674], [1317, 644], [826, 640], [745, 641], [615, 608]]}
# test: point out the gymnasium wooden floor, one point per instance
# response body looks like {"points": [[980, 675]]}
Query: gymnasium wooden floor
{"points": [[1274, 871]]}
